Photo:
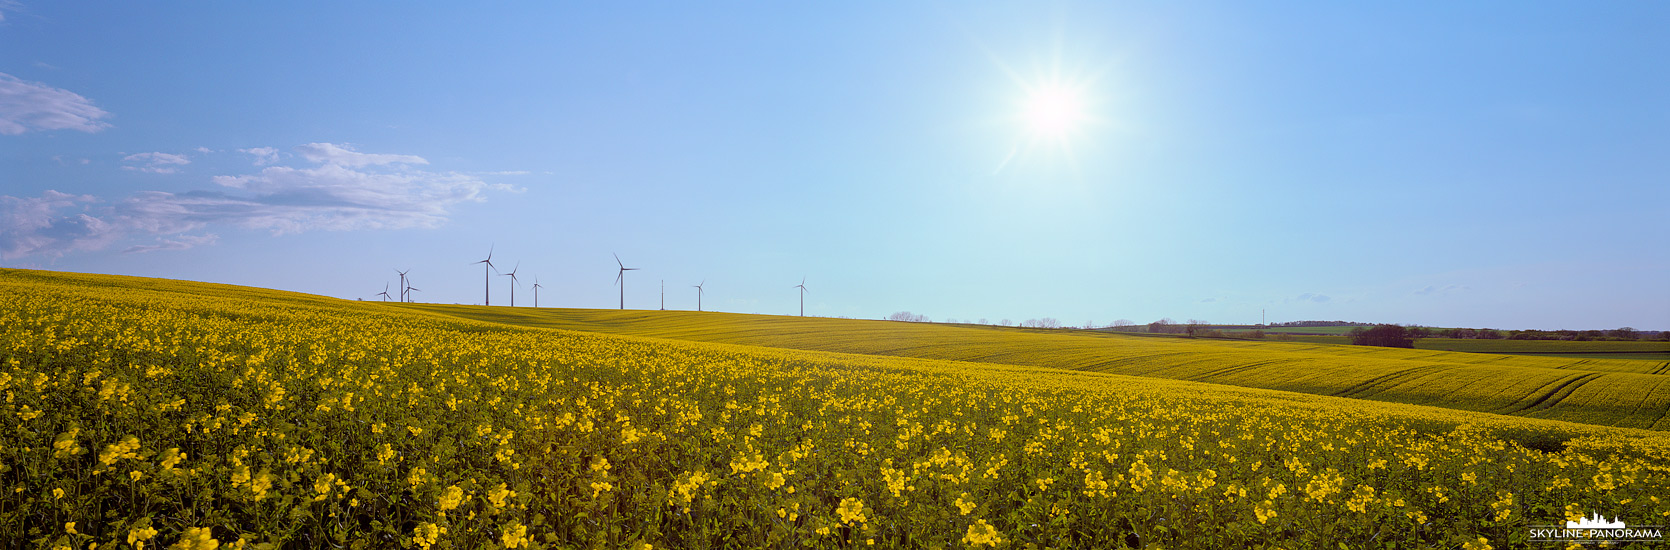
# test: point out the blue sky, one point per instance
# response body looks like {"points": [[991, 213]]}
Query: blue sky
{"points": [[1487, 164]]}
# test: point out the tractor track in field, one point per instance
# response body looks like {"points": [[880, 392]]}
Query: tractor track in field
{"points": [[1514, 406], [1643, 401], [1204, 377], [1371, 383], [1553, 397]]}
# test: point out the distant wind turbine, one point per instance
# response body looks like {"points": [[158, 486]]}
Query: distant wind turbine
{"points": [[403, 282], [620, 278], [513, 282], [384, 293], [535, 291], [699, 294], [410, 290], [803, 291], [486, 282]]}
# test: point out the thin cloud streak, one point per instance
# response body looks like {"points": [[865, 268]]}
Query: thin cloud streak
{"points": [[279, 199], [26, 106]]}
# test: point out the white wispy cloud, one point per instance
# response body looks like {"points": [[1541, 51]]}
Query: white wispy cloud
{"points": [[263, 155], [281, 199], [1441, 290], [181, 242], [156, 163], [344, 155], [26, 106], [1309, 297], [53, 223]]}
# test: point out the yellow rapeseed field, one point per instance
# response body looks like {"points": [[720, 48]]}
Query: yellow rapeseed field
{"points": [[1611, 392], [149, 414]]}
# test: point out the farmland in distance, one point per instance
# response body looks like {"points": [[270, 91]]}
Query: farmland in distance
{"points": [[1613, 392], [173, 413]]}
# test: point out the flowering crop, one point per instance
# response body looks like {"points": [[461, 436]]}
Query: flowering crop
{"points": [[1612, 392], [141, 412]]}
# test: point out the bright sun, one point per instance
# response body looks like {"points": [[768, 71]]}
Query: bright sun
{"points": [[1053, 111]]}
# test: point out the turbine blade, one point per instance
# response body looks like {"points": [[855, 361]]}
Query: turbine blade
{"points": [[617, 260]]}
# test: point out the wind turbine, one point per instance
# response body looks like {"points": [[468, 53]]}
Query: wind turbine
{"points": [[486, 287], [535, 291], [699, 294], [512, 276], [410, 290], [407, 291], [384, 293], [620, 278], [663, 295], [803, 291], [403, 282]]}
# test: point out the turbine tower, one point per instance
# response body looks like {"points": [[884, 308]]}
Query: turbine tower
{"points": [[620, 279], [486, 282], [663, 295], [803, 291], [403, 282], [699, 294], [512, 276], [535, 291]]}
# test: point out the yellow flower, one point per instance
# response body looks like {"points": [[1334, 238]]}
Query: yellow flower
{"points": [[425, 534], [137, 537], [127, 448], [322, 485], [851, 510], [196, 539], [451, 497], [57, 493], [1264, 511], [515, 535], [980, 533], [1480, 544], [964, 504], [599, 487], [66, 445], [497, 495]]}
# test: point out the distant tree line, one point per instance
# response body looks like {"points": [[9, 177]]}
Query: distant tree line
{"points": [[908, 317], [1195, 328], [1625, 333], [1391, 336], [1317, 324]]}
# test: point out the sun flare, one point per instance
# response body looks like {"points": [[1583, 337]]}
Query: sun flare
{"points": [[1053, 111]]}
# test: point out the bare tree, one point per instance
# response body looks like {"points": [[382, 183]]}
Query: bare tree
{"points": [[1123, 323], [983, 321], [1006, 322], [907, 317]]}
